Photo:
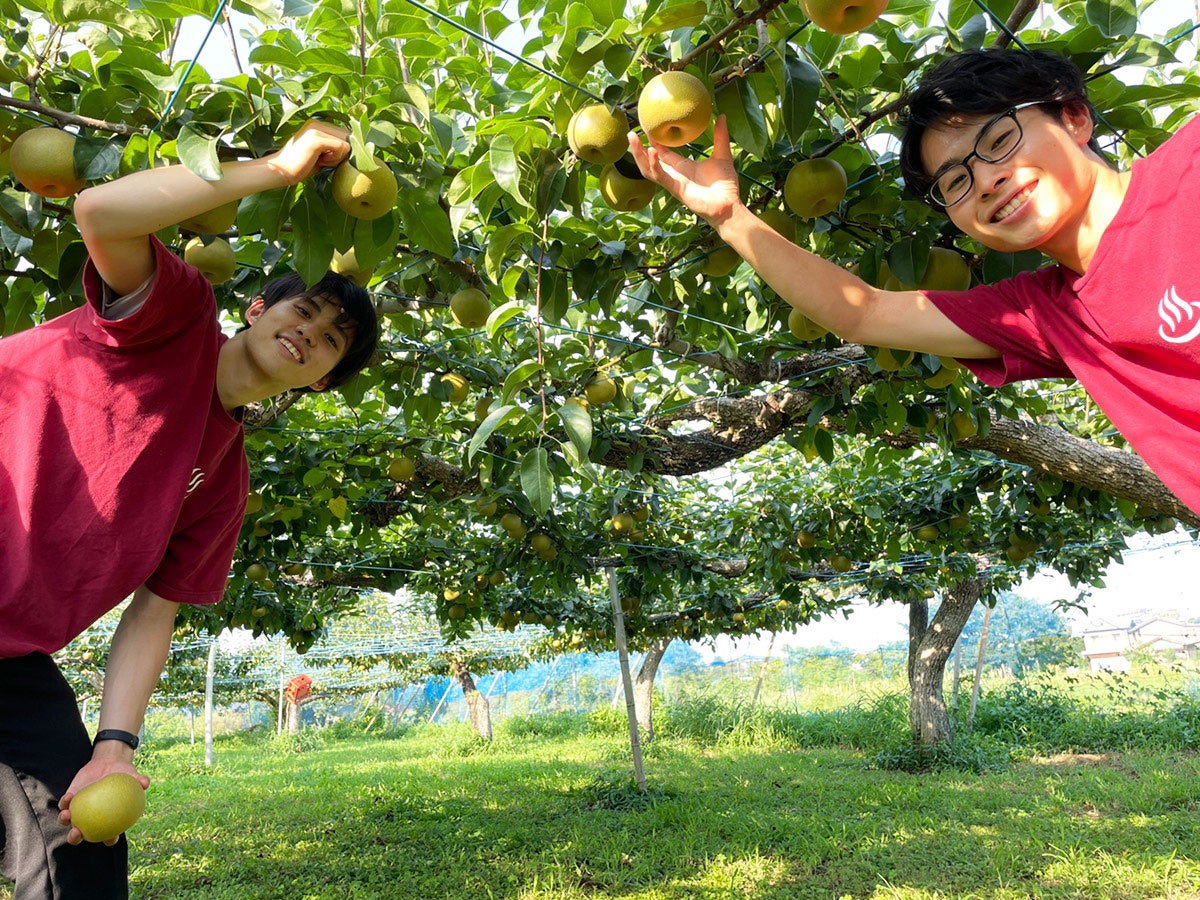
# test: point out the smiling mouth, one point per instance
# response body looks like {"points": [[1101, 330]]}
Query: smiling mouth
{"points": [[292, 349], [1014, 204]]}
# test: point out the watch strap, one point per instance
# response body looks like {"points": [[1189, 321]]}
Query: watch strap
{"points": [[116, 734]]}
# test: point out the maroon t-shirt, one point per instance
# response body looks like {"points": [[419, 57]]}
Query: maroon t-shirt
{"points": [[1128, 329], [118, 465]]}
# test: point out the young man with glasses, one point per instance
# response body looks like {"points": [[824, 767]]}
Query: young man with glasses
{"points": [[1004, 142]]}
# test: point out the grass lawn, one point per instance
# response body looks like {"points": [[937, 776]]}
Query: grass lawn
{"points": [[432, 814]]}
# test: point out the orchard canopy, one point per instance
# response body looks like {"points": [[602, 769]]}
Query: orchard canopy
{"points": [[745, 475]]}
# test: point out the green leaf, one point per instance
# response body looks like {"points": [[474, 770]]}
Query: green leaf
{"points": [[503, 314], [313, 248], [801, 88], [518, 377], [742, 109], [502, 160], [198, 152], [426, 224], [577, 422], [998, 266], [908, 259], [96, 159], [536, 480], [494, 420], [679, 15], [1114, 18], [337, 506]]}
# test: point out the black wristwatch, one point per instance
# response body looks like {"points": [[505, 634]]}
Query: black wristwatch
{"points": [[115, 734]]}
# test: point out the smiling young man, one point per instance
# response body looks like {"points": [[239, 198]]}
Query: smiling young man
{"points": [[122, 473], [1004, 142]]}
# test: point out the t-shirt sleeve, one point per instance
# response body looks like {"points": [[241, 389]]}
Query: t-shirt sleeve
{"points": [[1004, 316], [179, 297], [195, 567]]}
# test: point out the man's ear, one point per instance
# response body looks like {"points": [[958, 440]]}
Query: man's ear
{"points": [[1078, 122], [254, 310], [320, 384]]}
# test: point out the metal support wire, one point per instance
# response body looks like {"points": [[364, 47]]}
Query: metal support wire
{"points": [[216, 17]]}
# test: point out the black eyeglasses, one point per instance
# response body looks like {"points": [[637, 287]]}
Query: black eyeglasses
{"points": [[998, 139]]}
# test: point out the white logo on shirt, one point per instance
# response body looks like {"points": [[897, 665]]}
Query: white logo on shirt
{"points": [[1181, 322], [197, 479]]}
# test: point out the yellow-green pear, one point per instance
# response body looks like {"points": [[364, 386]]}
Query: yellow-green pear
{"points": [[364, 194], [720, 262], [674, 108], [106, 809], [814, 187], [600, 390], [470, 307], [346, 265], [215, 260], [947, 271], [623, 187], [779, 221], [43, 159], [459, 386], [598, 135], [803, 328], [215, 221], [843, 16]]}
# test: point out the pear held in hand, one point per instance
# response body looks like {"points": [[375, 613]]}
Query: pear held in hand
{"points": [[364, 194], [105, 809], [674, 108]]}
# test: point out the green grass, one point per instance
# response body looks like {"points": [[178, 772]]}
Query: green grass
{"points": [[553, 813]]}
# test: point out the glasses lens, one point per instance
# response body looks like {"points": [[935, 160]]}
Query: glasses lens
{"points": [[999, 139], [952, 186]]}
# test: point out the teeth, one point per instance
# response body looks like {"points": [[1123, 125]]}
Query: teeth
{"points": [[1011, 206], [291, 348]]}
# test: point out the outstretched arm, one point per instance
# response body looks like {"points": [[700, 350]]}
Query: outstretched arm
{"points": [[826, 293], [135, 661], [117, 217]]}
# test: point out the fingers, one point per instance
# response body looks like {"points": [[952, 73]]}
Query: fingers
{"points": [[721, 148]]}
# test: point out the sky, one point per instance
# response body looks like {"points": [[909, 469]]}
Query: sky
{"points": [[1158, 576]]}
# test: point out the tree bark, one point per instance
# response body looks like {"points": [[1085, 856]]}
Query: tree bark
{"points": [[643, 686], [293, 717], [478, 708], [929, 648], [739, 425]]}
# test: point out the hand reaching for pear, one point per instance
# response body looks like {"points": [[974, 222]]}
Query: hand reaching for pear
{"points": [[317, 145], [708, 187]]}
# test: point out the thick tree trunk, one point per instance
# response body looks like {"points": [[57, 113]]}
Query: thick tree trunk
{"points": [[929, 646], [478, 707], [643, 686]]}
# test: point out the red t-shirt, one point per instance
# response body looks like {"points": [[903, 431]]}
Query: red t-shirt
{"points": [[118, 465], [1128, 329]]}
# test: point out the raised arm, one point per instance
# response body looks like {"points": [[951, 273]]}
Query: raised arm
{"points": [[826, 293], [116, 218]]}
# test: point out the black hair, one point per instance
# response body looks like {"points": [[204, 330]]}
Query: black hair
{"points": [[357, 310], [987, 83]]}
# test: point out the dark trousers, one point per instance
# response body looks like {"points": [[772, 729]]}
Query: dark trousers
{"points": [[43, 744]]}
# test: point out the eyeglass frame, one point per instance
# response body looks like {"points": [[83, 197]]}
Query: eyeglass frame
{"points": [[1010, 113]]}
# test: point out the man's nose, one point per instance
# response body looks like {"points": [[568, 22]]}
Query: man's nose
{"points": [[990, 176]]}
